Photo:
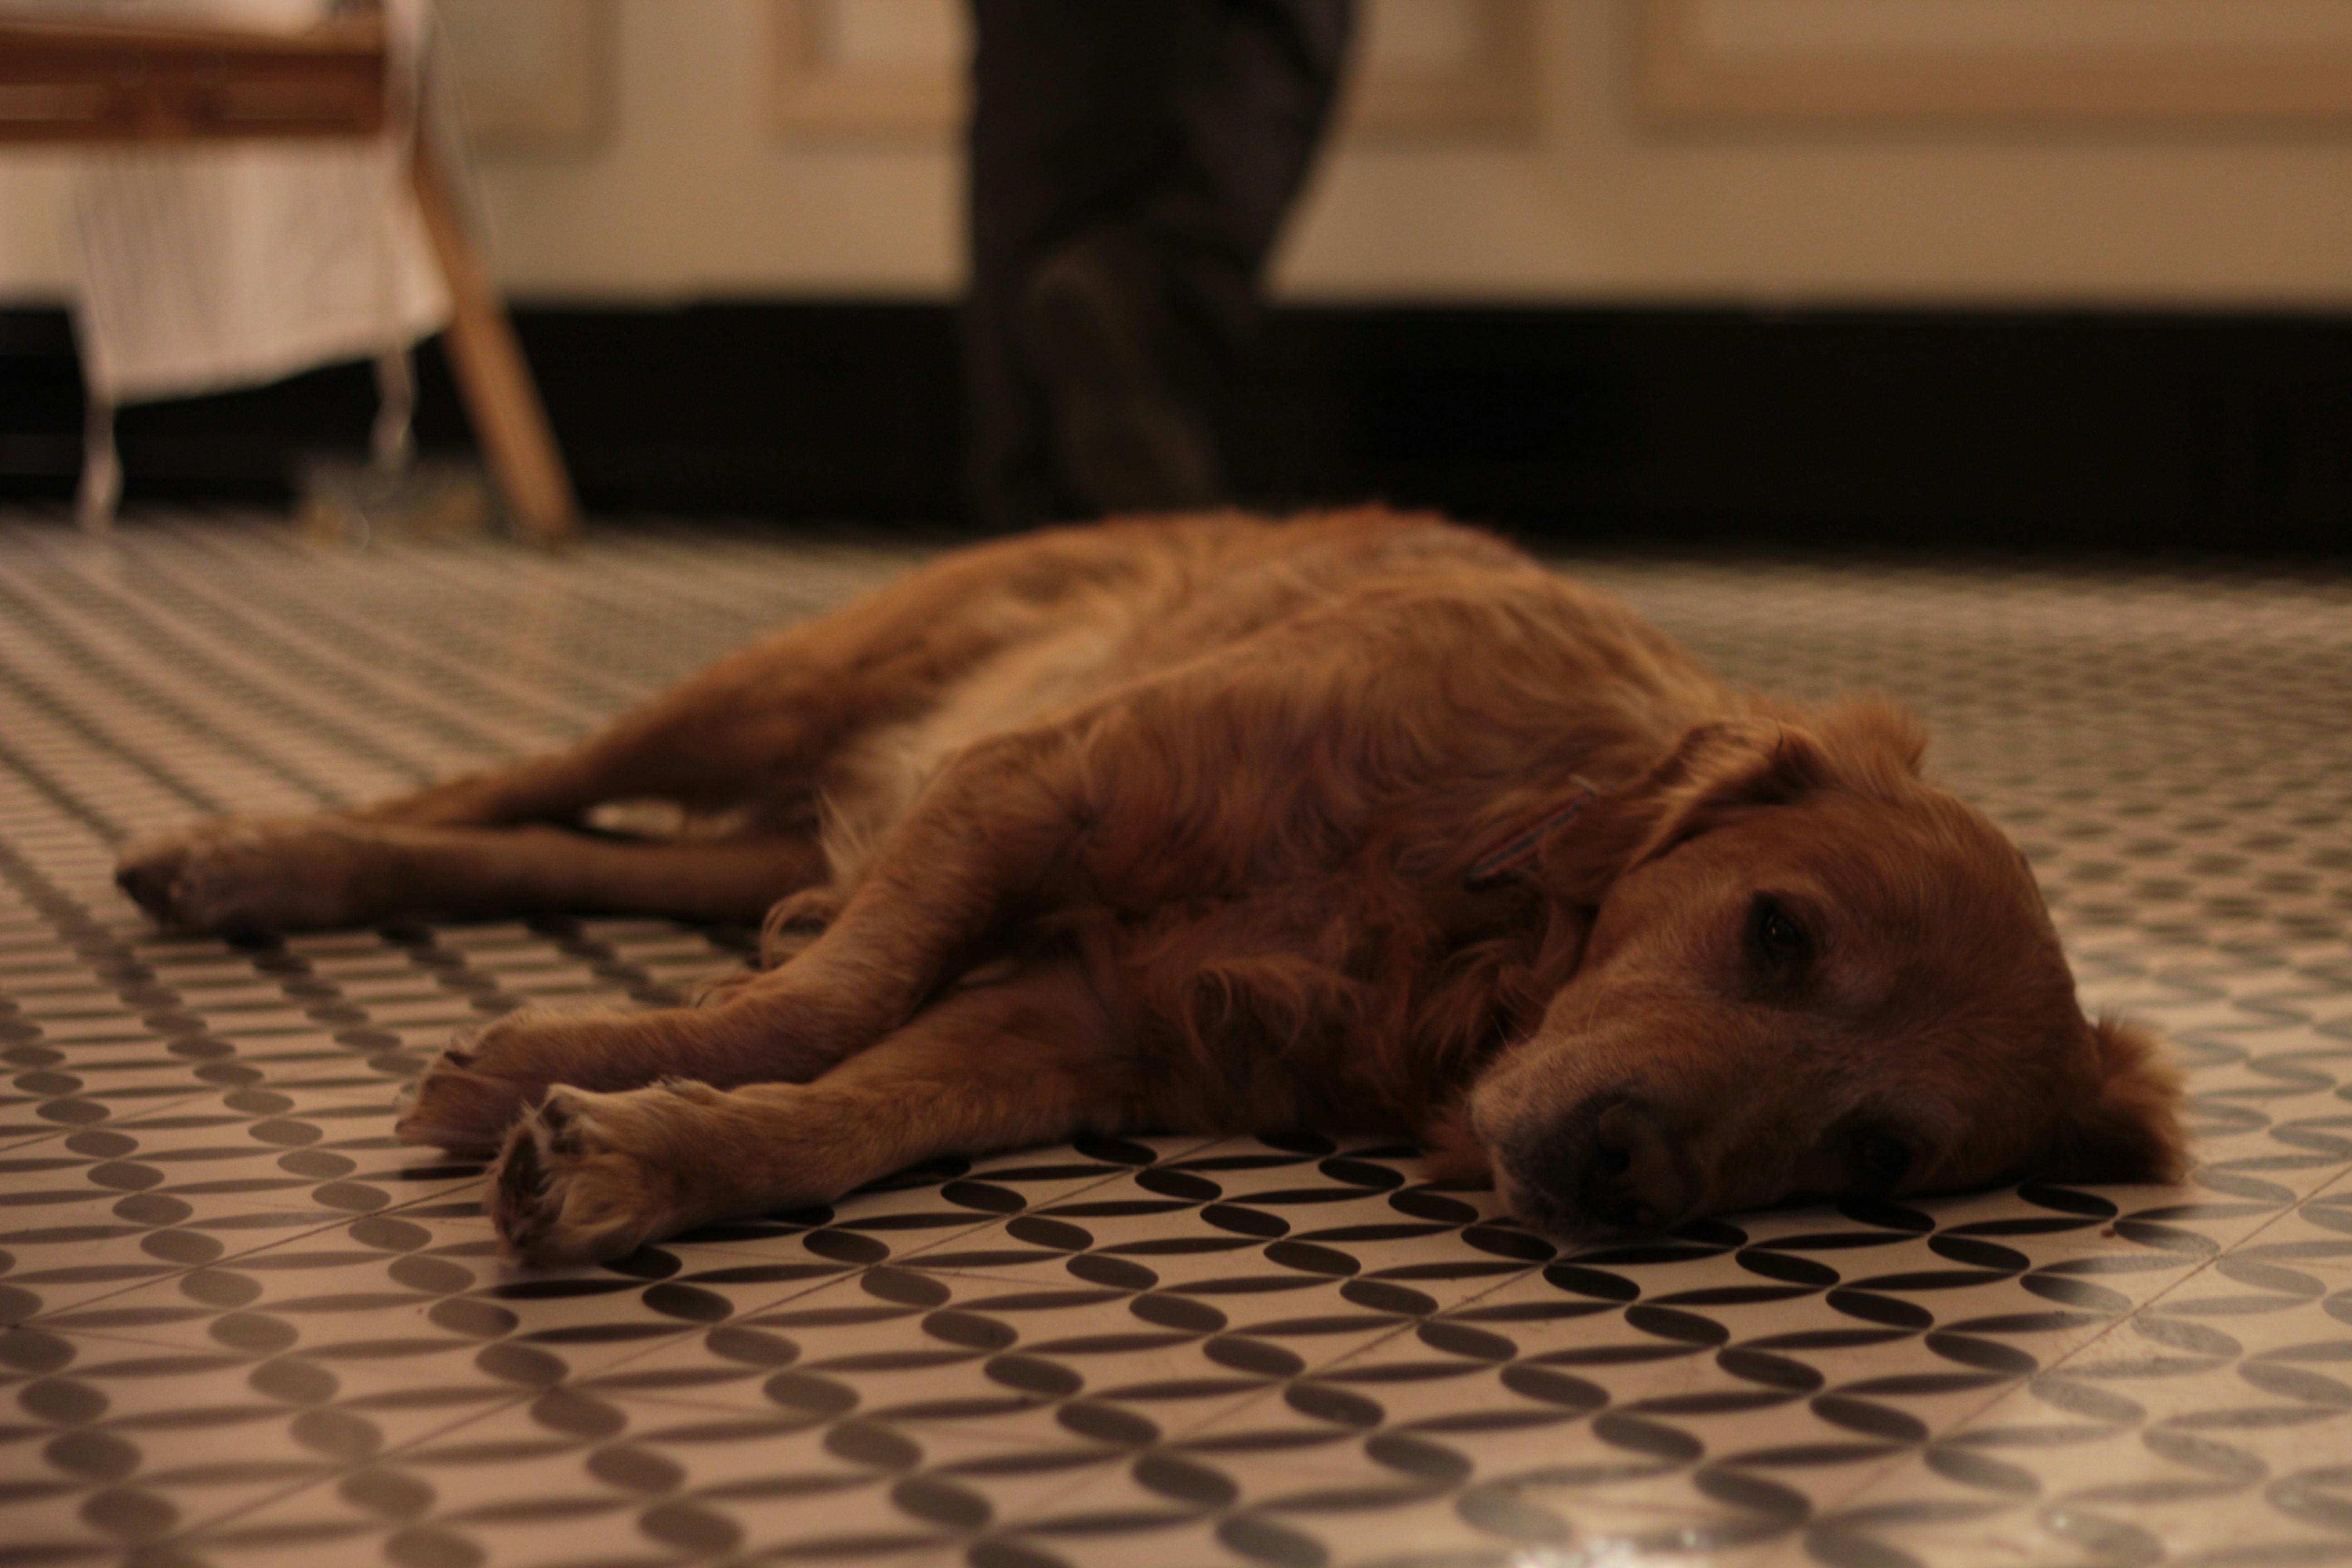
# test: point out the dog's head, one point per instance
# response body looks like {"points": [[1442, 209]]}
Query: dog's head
{"points": [[1808, 972]]}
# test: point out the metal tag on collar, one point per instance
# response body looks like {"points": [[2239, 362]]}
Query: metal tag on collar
{"points": [[1515, 856]]}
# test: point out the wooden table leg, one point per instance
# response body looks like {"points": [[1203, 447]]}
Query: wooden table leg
{"points": [[500, 398]]}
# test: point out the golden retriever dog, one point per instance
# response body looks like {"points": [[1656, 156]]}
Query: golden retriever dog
{"points": [[1359, 822]]}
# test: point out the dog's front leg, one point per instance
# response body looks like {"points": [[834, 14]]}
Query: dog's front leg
{"points": [[998, 823], [587, 1176], [1001, 823]]}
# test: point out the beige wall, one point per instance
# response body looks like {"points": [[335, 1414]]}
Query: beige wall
{"points": [[32, 242], [691, 192]]}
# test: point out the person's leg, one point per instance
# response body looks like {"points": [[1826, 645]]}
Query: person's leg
{"points": [[1067, 125], [1251, 112], [1130, 167]]}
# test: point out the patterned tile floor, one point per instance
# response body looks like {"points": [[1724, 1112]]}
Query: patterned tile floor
{"points": [[247, 1328]]}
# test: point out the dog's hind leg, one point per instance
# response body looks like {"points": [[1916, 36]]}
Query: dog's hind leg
{"points": [[264, 875], [754, 732], [593, 1175], [751, 733]]}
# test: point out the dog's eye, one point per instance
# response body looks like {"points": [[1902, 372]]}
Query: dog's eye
{"points": [[1883, 1159], [1781, 940]]}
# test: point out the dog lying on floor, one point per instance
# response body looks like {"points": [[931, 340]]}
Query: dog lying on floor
{"points": [[1359, 822]]}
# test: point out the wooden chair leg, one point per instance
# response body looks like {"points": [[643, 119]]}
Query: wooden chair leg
{"points": [[101, 469], [509, 418]]}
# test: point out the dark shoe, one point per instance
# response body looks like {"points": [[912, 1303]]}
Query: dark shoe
{"points": [[1126, 436]]}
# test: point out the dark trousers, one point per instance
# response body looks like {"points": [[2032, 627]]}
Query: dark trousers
{"points": [[1172, 134]]}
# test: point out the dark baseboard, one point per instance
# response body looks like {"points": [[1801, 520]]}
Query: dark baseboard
{"points": [[1943, 429]]}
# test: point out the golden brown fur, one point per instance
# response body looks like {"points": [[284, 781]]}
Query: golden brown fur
{"points": [[1171, 825]]}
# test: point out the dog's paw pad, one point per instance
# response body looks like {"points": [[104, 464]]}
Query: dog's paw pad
{"points": [[566, 1191], [558, 1120], [521, 1177]]}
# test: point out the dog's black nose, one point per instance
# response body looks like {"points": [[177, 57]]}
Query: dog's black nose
{"points": [[1635, 1179]]}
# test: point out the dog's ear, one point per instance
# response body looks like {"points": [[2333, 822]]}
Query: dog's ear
{"points": [[1872, 745], [1717, 774], [2126, 1126], [1721, 771]]}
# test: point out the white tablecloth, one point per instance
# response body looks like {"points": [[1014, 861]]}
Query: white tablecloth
{"points": [[213, 265]]}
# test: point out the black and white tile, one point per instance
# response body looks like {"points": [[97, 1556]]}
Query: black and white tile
{"points": [[242, 1327]]}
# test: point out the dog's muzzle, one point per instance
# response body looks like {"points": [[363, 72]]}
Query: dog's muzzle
{"points": [[1613, 1164]]}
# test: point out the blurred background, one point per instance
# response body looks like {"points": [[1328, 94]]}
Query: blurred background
{"points": [[1995, 273]]}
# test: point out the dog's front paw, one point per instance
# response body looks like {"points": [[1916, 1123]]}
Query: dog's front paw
{"points": [[240, 875], [472, 1092], [585, 1178], [460, 1102]]}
